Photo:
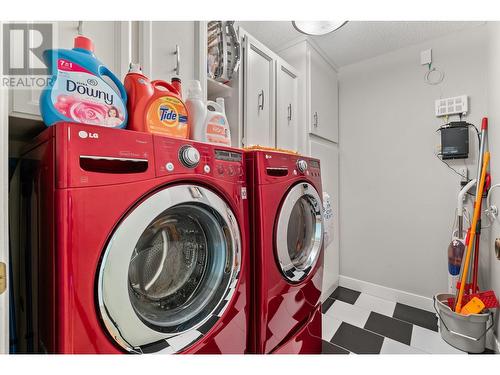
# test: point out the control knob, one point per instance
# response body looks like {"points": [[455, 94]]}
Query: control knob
{"points": [[301, 165], [189, 156]]}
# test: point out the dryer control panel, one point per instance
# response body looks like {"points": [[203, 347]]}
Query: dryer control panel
{"points": [[272, 167]]}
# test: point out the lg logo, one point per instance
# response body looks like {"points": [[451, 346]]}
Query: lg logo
{"points": [[83, 134]]}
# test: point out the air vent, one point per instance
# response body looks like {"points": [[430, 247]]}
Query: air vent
{"points": [[452, 106]]}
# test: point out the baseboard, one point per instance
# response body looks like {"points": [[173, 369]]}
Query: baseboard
{"points": [[387, 293], [327, 292]]}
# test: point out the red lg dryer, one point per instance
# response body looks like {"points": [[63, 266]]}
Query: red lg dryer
{"points": [[137, 243], [287, 226]]}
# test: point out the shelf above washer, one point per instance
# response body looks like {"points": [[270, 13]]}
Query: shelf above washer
{"points": [[217, 89]]}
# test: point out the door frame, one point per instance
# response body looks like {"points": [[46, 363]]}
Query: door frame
{"points": [[4, 177]]}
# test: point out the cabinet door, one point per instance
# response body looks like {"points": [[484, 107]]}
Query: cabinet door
{"points": [[324, 97], [328, 153], [259, 94], [112, 47], [286, 106], [167, 49]]}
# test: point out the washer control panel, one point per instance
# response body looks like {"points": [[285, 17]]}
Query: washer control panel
{"points": [[179, 156]]}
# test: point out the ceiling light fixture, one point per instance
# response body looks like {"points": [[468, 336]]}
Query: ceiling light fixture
{"points": [[317, 27]]}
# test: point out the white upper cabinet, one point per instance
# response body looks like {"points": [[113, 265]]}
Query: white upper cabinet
{"points": [[259, 94], [286, 106], [112, 46], [167, 49], [323, 97], [318, 102]]}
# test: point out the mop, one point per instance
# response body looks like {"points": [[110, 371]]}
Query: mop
{"points": [[477, 212]]}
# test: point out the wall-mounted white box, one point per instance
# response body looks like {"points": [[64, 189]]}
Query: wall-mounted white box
{"points": [[426, 57], [452, 106]]}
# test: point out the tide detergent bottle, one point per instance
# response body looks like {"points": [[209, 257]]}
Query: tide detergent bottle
{"points": [[83, 89], [155, 106]]}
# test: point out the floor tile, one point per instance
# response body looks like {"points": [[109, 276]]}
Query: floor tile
{"points": [[431, 342], [329, 348], [329, 326], [349, 313], [357, 340], [389, 327], [345, 294], [372, 303], [326, 305], [395, 347], [420, 317]]}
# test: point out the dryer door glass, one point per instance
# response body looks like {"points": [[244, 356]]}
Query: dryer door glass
{"points": [[170, 268], [299, 232]]}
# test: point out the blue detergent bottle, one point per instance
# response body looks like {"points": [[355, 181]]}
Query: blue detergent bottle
{"points": [[79, 91]]}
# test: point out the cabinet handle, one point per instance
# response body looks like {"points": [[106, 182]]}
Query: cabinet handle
{"points": [[260, 100], [177, 53], [315, 123], [290, 112]]}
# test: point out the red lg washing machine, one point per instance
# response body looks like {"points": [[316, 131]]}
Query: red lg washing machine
{"points": [[137, 243], [286, 221]]}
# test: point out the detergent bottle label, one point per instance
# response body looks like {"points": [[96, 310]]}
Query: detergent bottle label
{"points": [[84, 97], [217, 130], [168, 115]]}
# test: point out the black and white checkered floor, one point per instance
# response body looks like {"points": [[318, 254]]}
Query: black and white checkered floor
{"points": [[359, 323]]}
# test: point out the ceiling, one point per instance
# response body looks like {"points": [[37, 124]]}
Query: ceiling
{"points": [[357, 40]]}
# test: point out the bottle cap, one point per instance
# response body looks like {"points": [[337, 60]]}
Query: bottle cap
{"points": [[135, 68], [484, 123], [176, 79], [82, 42]]}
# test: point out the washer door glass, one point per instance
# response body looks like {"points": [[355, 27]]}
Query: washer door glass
{"points": [[299, 232], [179, 263]]}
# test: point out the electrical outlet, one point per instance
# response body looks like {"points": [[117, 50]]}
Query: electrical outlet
{"points": [[452, 106]]}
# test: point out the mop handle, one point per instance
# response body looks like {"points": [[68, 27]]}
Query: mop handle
{"points": [[477, 212]]}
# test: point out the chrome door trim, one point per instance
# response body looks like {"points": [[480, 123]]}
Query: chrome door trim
{"points": [[114, 304], [291, 272], [96, 157]]}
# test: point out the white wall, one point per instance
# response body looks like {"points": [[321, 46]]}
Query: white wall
{"points": [[397, 199], [494, 145]]}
